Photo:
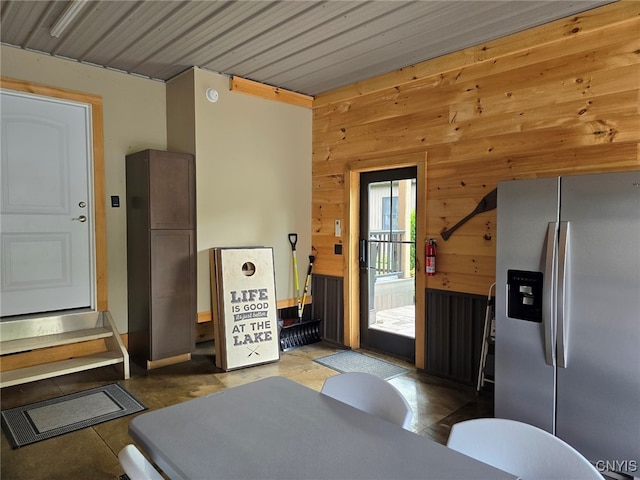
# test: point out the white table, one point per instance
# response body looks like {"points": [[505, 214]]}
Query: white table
{"points": [[275, 428]]}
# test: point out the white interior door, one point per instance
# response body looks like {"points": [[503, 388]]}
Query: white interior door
{"points": [[46, 213]]}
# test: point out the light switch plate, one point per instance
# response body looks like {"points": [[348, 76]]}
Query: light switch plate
{"points": [[338, 228]]}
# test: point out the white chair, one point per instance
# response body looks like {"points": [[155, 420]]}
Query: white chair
{"points": [[521, 449], [371, 394], [136, 466]]}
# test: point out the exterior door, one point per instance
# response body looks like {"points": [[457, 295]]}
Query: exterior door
{"points": [[387, 261], [46, 207]]}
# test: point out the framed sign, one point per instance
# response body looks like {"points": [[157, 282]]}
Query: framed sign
{"points": [[244, 306]]}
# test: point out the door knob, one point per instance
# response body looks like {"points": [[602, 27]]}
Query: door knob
{"points": [[81, 218]]}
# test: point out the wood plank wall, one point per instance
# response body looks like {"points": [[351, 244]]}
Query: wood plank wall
{"points": [[562, 98]]}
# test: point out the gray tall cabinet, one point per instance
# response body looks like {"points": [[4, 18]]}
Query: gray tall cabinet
{"points": [[161, 257]]}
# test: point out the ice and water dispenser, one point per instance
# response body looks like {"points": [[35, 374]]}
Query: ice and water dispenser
{"points": [[524, 295]]}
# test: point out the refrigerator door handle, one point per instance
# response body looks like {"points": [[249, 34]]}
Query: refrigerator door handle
{"points": [[548, 292], [562, 314]]}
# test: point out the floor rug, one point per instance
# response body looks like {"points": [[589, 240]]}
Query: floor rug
{"points": [[50, 418], [350, 361]]}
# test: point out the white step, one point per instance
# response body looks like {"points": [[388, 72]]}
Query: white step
{"points": [[54, 369], [29, 334], [54, 340]]}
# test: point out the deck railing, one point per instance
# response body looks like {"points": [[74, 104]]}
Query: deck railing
{"points": [[385, 252]]}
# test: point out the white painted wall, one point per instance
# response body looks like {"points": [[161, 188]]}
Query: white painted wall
{"points": [[134, 119], [253, 162], [253, 170]]}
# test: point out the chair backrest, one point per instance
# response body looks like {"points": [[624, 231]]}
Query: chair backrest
{"points": [[521, 449], [371, 394], [136, 466]]}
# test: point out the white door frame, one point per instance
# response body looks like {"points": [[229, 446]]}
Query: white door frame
{"points": [[99, 233]]}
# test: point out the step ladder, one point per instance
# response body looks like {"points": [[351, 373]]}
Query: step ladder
{"points": [[485, 370], [29, 343]]}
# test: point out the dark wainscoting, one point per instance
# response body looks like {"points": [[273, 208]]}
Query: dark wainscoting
{"points": [[454, 327], [328, 305]]}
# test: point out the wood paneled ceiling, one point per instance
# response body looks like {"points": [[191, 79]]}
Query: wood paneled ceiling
{"points": [[304, 46]]}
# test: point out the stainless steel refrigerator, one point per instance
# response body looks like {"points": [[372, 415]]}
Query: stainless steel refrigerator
{"points": [[568, 312]]}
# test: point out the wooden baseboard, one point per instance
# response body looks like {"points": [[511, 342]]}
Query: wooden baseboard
{"points": [[205, 332], [163, 362], [292, 302]]}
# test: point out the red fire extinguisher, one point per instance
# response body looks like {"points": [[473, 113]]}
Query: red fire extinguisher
{"points": [[430, 254]]}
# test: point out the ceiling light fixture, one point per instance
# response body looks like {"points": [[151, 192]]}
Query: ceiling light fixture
{"points": [[67, 17]]}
